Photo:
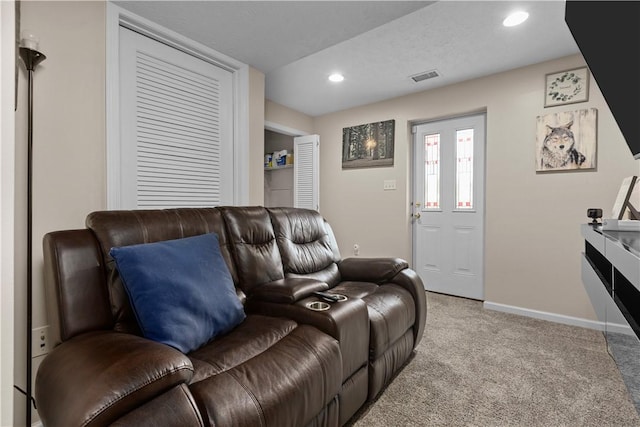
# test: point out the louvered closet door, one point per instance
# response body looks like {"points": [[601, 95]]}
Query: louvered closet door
{"points": [[306, 177], [176, 121]]}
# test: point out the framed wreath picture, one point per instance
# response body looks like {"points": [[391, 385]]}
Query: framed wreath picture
{"points": [[566, 87]]}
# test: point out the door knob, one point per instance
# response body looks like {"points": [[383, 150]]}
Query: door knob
{"points": [[417, 214]]}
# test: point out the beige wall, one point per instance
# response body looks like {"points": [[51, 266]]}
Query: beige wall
{"points": [[533, 240], [274, 141], [353, 200], [284, 116], [533, 243], [68, 142], [256, 137]]}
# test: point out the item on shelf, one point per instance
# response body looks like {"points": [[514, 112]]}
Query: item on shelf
{"points": [[289, 158], [594, 214], [280, 157], [268, 160]]}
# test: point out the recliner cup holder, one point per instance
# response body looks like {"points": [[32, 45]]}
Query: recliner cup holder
{"points": [[342, 297], [318, 306]]}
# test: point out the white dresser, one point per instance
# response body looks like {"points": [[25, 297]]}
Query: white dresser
{"points": [[611, 277]]}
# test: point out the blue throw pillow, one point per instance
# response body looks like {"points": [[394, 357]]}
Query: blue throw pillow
{"points": [[180, 290]]}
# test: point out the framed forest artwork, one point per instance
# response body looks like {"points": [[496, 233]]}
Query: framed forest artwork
{"points": [[368, 145]]}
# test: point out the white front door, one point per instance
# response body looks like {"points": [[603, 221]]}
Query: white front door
{"points": [[448, 205]]}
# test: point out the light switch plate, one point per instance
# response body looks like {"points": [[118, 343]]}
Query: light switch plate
{"points": [[389, 184]]}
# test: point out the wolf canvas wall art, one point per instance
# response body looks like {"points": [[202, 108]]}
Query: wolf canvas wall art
{"points": [[566, 140]]}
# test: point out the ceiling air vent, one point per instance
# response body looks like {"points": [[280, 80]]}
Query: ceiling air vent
{"points": [[425, 76]]}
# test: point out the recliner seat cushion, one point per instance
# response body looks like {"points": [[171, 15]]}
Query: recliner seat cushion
{"points": [[266, 372], [253, 336]]}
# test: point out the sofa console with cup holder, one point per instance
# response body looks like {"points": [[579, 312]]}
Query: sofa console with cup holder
{"points": [[228, 316]]}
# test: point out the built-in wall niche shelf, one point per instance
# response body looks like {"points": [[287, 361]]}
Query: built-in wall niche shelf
{"points": [[273, 168]]}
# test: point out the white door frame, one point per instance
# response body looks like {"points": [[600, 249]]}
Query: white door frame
{"points": [[117, 16], [285, 130], [412, 173]]}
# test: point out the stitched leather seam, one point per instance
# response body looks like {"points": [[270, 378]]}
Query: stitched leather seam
{"points": [[180, 222], [386, 323], [396, 268], [399, 268], [317, 356], [63, 325], [254, 399], [271, 242], [130, 392], [192, 405], [214, 366], [200, 213], [143, 228]]}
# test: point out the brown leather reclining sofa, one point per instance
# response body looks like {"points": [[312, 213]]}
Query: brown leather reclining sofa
{"points": [[284, 365]]}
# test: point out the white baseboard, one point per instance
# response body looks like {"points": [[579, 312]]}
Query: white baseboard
{"points": [[557, 318]]}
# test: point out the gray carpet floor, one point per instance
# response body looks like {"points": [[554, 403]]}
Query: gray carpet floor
{"points": [[477, 367]]}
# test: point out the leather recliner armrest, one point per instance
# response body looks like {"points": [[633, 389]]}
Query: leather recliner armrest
{"points": [[376, 270], [409, 280], [95, 378], [288, 290], [394, 271]]}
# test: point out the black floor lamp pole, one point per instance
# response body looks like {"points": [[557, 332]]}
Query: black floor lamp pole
{"points": [[31, 59]]}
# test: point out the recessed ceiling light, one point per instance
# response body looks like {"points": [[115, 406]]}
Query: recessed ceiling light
{"points": [[515, 18], [336, 77]]}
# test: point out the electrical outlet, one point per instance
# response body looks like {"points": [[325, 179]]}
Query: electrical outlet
{"points": [[356, 249], [40, 341], [389, 184]]}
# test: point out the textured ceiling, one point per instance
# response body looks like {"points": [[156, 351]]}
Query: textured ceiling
{"points": [[461, 40], [270, 34], [377, 45]]}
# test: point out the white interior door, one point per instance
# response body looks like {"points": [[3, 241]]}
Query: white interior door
{"points": [[306, 173], [448, 205], [176, 127]]}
